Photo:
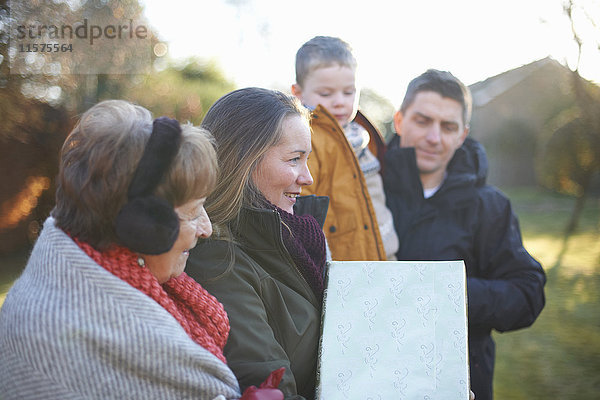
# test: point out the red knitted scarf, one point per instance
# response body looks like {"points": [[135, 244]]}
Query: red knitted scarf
{"points": [[199, 313]]}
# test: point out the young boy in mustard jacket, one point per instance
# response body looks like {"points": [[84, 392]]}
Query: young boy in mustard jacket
{"points": [[346, 153]]}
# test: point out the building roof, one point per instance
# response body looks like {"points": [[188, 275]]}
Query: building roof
{"points": [[485, 91]]}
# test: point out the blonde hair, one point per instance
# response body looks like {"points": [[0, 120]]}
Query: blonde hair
{"points": [[322, 51], [98, 161], [246, 123]]}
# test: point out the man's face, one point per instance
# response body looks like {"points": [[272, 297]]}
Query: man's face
{"points": [[334, 87], [433, 125]]}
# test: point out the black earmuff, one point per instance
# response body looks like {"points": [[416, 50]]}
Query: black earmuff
{"points": [[148, 224]]}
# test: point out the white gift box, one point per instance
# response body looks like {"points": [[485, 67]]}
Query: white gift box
{"points": [[394, 330]]}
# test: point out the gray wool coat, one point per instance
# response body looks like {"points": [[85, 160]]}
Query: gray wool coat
{"points": [[69, 329]]}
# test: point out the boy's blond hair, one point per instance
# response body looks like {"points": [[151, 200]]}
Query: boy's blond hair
{"points": [[322, 51]]}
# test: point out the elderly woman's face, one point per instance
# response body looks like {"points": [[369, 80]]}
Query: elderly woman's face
{"points": [[283, 170], [193, 223]]}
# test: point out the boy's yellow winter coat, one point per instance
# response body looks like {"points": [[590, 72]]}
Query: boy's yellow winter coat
{"points": [[351, 225]]}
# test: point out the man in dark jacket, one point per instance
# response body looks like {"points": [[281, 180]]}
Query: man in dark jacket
{"points": [[443, 210]]}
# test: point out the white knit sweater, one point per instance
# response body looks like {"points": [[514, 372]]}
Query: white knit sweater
{"points": [[69, 329]]}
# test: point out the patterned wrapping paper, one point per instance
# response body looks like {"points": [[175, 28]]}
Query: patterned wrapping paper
{"points": [[394, 330]]}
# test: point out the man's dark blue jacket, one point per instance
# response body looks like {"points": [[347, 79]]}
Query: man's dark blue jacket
{"points": [[471, 221]]}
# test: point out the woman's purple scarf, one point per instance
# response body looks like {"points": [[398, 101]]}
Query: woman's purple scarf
{"points": [[305, 241]]}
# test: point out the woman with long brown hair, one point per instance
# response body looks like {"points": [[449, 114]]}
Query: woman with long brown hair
{"points": [[265, 261]]}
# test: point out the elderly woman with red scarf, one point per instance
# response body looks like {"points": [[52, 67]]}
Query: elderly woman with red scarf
{"points": [[103, 309]]}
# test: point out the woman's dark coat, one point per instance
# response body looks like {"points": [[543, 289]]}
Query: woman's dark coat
{"points": [[275, 317]]}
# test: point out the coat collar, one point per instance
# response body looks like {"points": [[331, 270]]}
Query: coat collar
{"points": [[467, 170], [377, 142]]}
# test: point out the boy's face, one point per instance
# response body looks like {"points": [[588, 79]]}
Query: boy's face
{"points": [[334, 87]]}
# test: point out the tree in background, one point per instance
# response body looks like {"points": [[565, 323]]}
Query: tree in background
{"points": [[39, 106], [571, 161], [183, 90], [76, 78], [30, 139], [379, 110], [34, 125]]}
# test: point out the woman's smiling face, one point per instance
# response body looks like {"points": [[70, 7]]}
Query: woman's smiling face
{"points": [[283, 170]]}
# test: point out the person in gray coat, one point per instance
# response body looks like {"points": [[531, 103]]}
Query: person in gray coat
{"points": [[103, 309]]}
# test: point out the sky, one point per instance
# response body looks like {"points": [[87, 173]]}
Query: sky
{"points": [[255, 41]]}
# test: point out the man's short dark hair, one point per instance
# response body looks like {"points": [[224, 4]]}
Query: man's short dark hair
{"points": [[443, 83]]}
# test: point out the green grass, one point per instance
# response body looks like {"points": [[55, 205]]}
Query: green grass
{"points": [[559, 356]]}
